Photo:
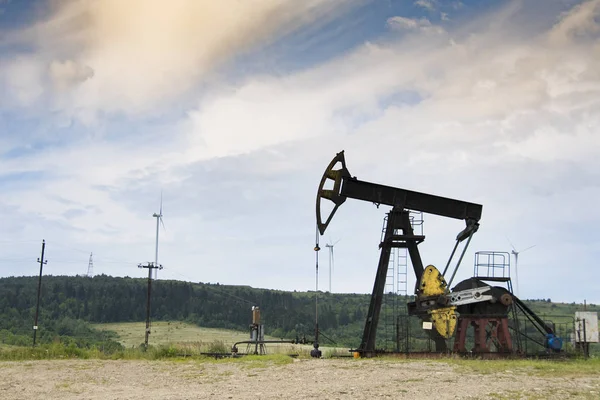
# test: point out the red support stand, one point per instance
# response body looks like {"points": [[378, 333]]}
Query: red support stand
{"points": [[490, 334]]}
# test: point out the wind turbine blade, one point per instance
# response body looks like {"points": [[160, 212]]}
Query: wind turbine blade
{"points": [[163, 224], [336, 242], [511, 245], [530, 247]]}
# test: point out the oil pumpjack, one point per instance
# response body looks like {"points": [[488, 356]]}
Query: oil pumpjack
{"points": [[479, 305]]}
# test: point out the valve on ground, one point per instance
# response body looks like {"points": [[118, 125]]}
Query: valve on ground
{"points": [[315, 352]]}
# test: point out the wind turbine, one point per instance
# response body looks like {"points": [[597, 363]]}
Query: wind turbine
{"points": [[516, 253], [159, 221], [331, 260]]}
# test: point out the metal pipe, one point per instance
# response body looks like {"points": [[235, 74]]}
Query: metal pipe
{"points": [[450, 259], [264, 342], [317, 248], [585, 343], [460, 259]]}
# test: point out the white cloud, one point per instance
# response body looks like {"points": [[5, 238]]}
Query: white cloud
{"points": [[493, 115], [476, 79], [426, 4], [578, 23], [147, 52], [499, 118], [66, 74], [22, 80], [421, 24], [457, 5]]}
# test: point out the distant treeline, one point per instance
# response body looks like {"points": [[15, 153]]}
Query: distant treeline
{"points": [[67, 299], [68, 304]]}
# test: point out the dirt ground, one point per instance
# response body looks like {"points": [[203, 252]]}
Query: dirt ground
{"points": [[301, 379]]}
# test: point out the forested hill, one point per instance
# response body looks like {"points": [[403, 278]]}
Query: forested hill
{"points": [[68, 303], [114, 299]]}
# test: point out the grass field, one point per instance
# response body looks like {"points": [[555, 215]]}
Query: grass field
{"points": [[162, 332], [131, 334]]}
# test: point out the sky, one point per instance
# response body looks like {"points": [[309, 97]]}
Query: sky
{"points": [[233, 110]]}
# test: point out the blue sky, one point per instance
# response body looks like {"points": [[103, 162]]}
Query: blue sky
{"points": [[233, 110]]}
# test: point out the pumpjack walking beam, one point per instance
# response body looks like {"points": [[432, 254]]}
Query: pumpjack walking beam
{"points": [[345, 186]]}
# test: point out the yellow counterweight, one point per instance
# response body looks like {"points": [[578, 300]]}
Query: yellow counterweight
{"points": [[433, 284]]}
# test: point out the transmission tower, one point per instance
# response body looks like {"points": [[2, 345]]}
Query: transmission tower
{"points": [[90, 272]]}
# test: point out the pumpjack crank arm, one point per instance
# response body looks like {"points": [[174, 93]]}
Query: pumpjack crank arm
{"points": [[460, 298], [470, 296]]}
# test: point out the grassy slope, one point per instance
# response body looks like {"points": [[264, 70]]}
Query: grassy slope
{"points": [[132, 333], [559, 312]]}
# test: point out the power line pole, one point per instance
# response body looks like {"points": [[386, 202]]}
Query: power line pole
{"points": [[37, 307], [150, 266]]}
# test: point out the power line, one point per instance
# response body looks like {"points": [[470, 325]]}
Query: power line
{"points": [[15, 259], [110, 260], [70, 248], [17, 241]]}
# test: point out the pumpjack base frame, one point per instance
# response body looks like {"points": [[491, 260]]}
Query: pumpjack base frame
{"points": [[488, 331]]}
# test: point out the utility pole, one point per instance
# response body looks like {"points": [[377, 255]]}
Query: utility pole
{"points": [[150, 266], [37, 307]]}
